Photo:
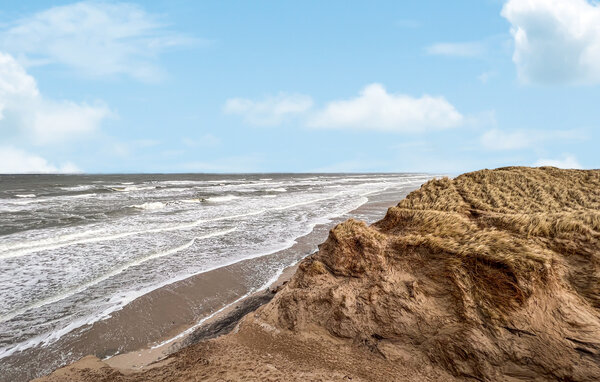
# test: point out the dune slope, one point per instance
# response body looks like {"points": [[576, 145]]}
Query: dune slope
{"points": [[491, 276]]}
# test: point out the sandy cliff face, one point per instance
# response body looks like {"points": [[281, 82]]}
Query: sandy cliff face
{"points": [[494, 276]]}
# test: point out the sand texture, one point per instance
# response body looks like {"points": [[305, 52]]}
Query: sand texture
{"points": [[491, 276]]}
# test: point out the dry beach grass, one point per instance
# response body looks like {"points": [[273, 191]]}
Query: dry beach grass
{"points": [[491, 276]]}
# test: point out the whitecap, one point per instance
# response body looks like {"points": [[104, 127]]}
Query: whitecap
{"points": [[151, 206], [224, 198], [25, 195], [81, 187], [45, 245], [120, 188], [78, 196]]}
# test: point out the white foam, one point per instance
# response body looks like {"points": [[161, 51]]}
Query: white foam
{"points": [[220, 199], [223, 181], [21, 249], [150, 206], [269, 196], [81, 196], [139, 188], [112, 273], [279, 189], [120, 188], [25, 195], [118, 302], [81, 187], [48, 241]]}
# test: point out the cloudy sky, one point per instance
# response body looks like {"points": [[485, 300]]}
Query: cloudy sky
{"points": [[298, 86]]}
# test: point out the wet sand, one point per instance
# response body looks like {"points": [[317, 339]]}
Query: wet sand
{"points": [[143, 331], [221, 322]]}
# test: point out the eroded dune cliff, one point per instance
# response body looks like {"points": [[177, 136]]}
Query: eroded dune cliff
{"points": [[492, 276]]}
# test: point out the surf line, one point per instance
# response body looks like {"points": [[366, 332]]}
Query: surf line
{"points": [[112, 273], [50, 246]]}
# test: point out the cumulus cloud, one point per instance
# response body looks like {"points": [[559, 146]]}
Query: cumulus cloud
{"points": [[567, 161], [496, 139], [376, 109], [556, 41], [23, 110], [269, 111], [95, 38], [15, 161]]}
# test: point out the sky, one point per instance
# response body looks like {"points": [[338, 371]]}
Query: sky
{"points": [[298, 86]]}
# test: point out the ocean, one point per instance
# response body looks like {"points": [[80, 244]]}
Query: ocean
{"points": [[75, 249]]}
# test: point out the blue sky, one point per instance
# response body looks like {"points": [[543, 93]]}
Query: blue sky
{"points": [[303, 86]]}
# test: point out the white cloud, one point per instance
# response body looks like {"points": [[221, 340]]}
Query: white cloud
{"points": [[376, 109], [271, 110], [458, 49], [95, 38], [14, 80], [567, 161], [15, 161], [496, 139], [42, 121], [54, 121], [556, 41]]}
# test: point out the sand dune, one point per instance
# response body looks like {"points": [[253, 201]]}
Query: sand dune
{"points": [[491, 276]]}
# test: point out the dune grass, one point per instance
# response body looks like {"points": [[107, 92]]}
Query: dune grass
{"points": [[498, 231]]}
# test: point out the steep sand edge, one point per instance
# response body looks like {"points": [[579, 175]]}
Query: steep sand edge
{"points": [[493, 276]]}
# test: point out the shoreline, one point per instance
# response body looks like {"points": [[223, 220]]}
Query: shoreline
{"points": [[219, 323], [150, 328], [225, 319]]}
